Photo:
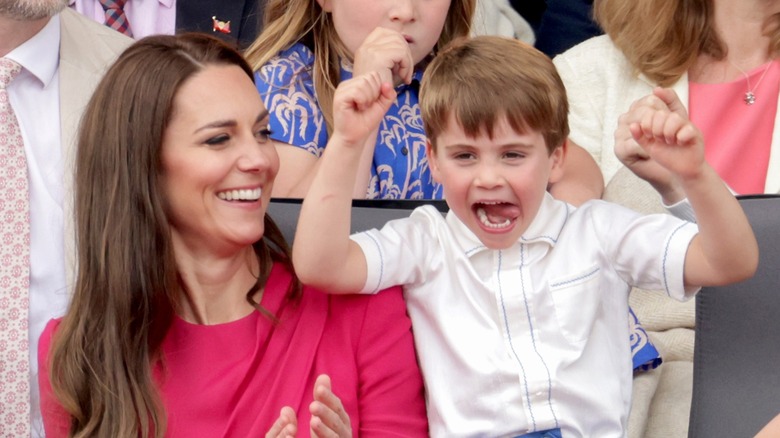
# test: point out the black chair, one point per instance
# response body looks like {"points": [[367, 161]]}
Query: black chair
{"points": [[366, 214], [736, 366]]}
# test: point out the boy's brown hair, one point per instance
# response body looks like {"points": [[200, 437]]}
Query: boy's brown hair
{"points": [[481, 79]]}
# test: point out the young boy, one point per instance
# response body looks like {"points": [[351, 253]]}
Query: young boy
{"points": [[519, 302]]}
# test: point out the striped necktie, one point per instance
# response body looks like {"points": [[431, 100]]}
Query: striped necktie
{"points": [[14, 267], [115, 16]]}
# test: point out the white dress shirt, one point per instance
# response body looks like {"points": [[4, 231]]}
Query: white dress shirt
{"points": [[146, 17], [532, 337], [34, 95]]}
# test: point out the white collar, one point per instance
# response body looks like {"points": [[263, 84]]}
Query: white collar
{"points": [[40, 55], [545, 228]]}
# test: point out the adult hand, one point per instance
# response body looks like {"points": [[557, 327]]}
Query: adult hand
{"points": [[387, 52], [286, 426], [328, 417], [655, 138]]}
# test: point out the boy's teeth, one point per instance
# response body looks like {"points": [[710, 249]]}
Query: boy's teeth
{"points": [[240, 195], [483, 217]]}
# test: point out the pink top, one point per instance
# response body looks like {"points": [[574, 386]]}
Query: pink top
{"points": [[738, 136], [216, 383]]}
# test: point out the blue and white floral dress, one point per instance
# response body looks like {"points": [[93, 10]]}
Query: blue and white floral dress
{"points": [[400, 168]]}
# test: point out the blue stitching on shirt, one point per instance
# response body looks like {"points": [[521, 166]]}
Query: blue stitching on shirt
{"points": [[381, 262], [472, 250], [509, 335], [574, 280], [550, 238], [666, 252], [533, 340]]}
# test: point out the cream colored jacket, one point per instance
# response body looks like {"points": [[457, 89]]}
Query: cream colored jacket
{"points": [[601, 85], [87, 49]]}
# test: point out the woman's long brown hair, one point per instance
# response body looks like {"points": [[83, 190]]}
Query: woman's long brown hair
{"points": [[127, 286]]}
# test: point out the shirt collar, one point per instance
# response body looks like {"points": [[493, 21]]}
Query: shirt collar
{"points": [[545, 228], [40, 55]]}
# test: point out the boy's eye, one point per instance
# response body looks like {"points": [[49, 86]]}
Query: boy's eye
{"points": [[514, 155], [463, 156], [218, 140], [263, 134]]}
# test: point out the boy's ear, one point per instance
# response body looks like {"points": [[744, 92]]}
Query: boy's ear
{"points": [[558, 157], [433, 162], [325, 5]]}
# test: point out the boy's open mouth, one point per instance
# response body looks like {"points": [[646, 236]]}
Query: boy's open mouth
{"points": [[496, 215]]}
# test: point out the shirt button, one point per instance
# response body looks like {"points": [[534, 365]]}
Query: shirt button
{"points": [[405, 150]]}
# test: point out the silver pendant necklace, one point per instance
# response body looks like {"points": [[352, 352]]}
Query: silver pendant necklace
{"points": [[750, 95]]}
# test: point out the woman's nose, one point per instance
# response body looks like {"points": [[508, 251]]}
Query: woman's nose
{"points": [[255, 157]]}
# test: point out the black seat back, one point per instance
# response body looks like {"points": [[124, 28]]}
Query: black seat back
{"points": [[366, 214], [736, 374]]}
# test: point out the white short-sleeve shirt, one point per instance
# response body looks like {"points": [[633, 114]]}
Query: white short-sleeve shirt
{"points": [[532, 337]]}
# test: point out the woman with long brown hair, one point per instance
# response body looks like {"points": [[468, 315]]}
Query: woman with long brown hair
{"points": [[187, 318]]}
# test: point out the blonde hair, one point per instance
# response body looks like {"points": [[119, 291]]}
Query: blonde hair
{"points": [[482, 79], [665, 47], [291, 21]]}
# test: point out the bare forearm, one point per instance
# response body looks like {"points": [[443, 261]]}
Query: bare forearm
{"points": [[772, 429], [296, 172], [658, 141], [363, 167], [576, 191], [728, 248], [322, 238], [323, 254], [670, 191], [581, 179]]}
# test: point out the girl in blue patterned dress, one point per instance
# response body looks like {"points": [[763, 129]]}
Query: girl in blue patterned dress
{"points": [[308, 47]]}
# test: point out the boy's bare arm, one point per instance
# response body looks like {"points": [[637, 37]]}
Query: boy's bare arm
{"points": [[581, 179], [297, 168], [323, 254], [725, 250], [771, 430]]}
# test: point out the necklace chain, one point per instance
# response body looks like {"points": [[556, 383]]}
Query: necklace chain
{"points": [[750, 96]]}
